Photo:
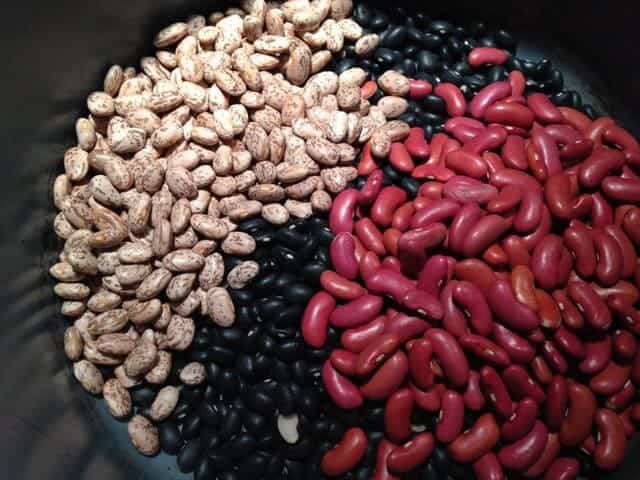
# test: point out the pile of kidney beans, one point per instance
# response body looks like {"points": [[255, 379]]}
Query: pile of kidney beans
{"points": [[506, 288]]}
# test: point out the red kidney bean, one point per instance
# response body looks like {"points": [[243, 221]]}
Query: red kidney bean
{"points": [[602, 162], [601, 211], [346, 454], [551, 262], [438, 142], [342, 211], [342, 392], [563, 199], [436, 211], [453, 98], [451, 419], [454, 320], [530, 211], [419, 88], [406, 327], [343, 256], [597, 128], [468, 190], [549, 454], [428, 401], [518, 349], [464, 129], [541, 370], [494, 162], [611, 379], [516, 251], [506, 307], [389, 282], [609, 258], [516, 178], [495, 256], [370, 236], [563, 469], [370, 190], [569, 343], [576, 119], [578, 420], [384, 450], [397, 415], [624, 190], [546, 147], [536, 163], [521, 422], [554, 358], [434, 275], [631, 225], [367, 164], [590, 305], [450, 356], [476, 272], [610, 447], [481, 56], [423, 303], [629, 255], [523, 285], [400, 158], [579, 241], [368, 89], [597, 355], [473, 397], [521, 385], [344, 361], [387, 378], [548, 311], [545, 111], [618, 136], [376, 352], [490, 139], [485, 232], [477, 441], [473, 301], [531, 240], [625, 345], [414, 244], [431, 190], [619, 401], [466, 163], [509, 113], [563, 134], [389, 199], [488, 467], [416, 144], [401, 219], [627, 423], [485, 349], [514, 153], [487, 96], [315, 319], [496, 392], [356, 339], [358, 251], [369, 264], [522, 454], [391, 263], [357, 312], [536, 336], [390, 239], [507, 199], [575, 152], [340, 287], [419, 360], [413, 453], [556, 403]]}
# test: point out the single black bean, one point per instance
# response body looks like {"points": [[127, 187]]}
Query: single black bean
{"points": [[379, 22], [253, 466], [266, 442], [242, 296], [415, 35], [228, 383], [241, 446], [219, 460], [515, 63], [181, 411], [463, 68], [231, 424], [428, 61], [265, 284], [245, 366], [289, 238], [446, 53], [467, 91], [362, 14], [231, 262], [244, 317], [590, 111], [254, 226], [280, 334], [431, 118], [259, 402], [190, 426], [505, 39], [274, 467], [477, 81], [496, 73], [270, 306], [230, 475], [208, 414], [441, 27], [203, 470], [285, 257], [200, 340], [428, 131], [213, 373], [344, 65], [386, 56], [434, 104], [395, 37], [576, 100], [299, 451], [487, 41], [363, 473], [222, 356], [322, 256], [528, 67], [425, 76], [336, 432], [264, 239], [298, 293], [455, 45], [201, 356], [280, 371], [296, 470], [266, 344], [255, 423], [285, 400], [410, 118], [289, 350], [189, 456], [556, 79], [451, 76], [429, 472], [169, 436], [543, 69], [308, 403], [308, 249], [324, 234], [143, 396]]}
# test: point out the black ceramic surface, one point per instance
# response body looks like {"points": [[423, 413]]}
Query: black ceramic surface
{"points": [[55, 53]]}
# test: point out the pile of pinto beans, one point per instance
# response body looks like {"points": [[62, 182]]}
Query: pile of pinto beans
{"points": [[506, 290]]}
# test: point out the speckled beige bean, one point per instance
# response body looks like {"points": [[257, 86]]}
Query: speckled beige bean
{"points": [[181, 183], [144, 435], [367, 44], [155, 283], [73, 343], [88, 376], [72, 291], [380, 143], [322, 151], [135, 252], [171, 35], [141, 359], [223, 186], [180, 286], [244, 273], [183, 261], [103, 301], [298, 209], [302, 190], [164, 403], [160, 372], [200, 204], [238, 243], [107, 263], [193, 374], [212, 273], [180, 332], [64, 272], [144, 312], [132, 275], [117, 398], [220, 307], [119, 344], [321, 201], [209, 227], [275, 214], [76, 164]]}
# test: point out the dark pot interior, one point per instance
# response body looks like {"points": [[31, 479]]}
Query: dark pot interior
{"points": [[54, 54]]}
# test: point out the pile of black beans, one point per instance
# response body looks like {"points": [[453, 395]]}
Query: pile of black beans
{"points": [[436, 50]]}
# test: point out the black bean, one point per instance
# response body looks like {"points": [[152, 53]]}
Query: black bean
{"points": [[430, 118], [505, 39], [410, 118], [362, 14], [363, 473], [231, 424], [322, 256], [434, 104], [265, 284], [222, 356], [379, 22], [441, 27], [344, 65], [143, 396], [228, 383], [189, 456], [496, 73], [386, 56], [200, 341], [259, 402], [264, 240], [299, 451], [230, 262], [428, 131], [201, 356], [576, 100], [455, 45], [308, 249], [254, 226], [428, 61], [556, 79], [467, 92], [515, 63], [323, 234], [230, 475], [295, 470], [298, 293], [476, 81], [208, 414], [203, 470], [245, 367], [542, 70], [308, 403], [181, 411], [289, 238], [590, 111], [463, 68], [241, 296], [213, 373], [395, 37], [190, 426], [336, 432], [528, 67], [244, 315], [219, 460], [487, 42], [285, 257], [285, 400], [451, 76], [429, 472], [274, 467], [415, 35], [266, 442], [255, 423], [241, 446], [253, 466], [169, 435]]}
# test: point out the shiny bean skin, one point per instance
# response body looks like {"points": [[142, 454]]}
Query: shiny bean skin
{"points": [[343, 256], [401, 219], [477, 441], [521, 422], [544, 110], [397, 415], [576, 119], [342, 211], [488, 467], [451, 420], [376, 352], [563, 134], [389, 282], [496, 392], [508, 198], [569, 343], [517, 251], [629, 255], [370, 236], [548, 310], [315, 319], [579, 241], [414, 244], [578, 420], [556, 404], [610, 260], [623, 190], [485, 349], [522, 454], [631, 225], [531, 240], [342, 392], [389, 199], [625, 345], [577, 151], [545, 146], [416, 143], [473, 397], [339, 287], [611, 379], [619, 401], [437, 211], [554, 357], [518, 349], [490, 139], [357, 312], [384, 450], [594, 309], [551, 262], [434, 275], [474, 302], [488, 96], [344, 361], [598, 165], [485, 232], [390, 239], [453, 98], [570, 314], [468, 190], [523, 285], [541, 370], [406, 327], [467, 163], [454, 320], [597, 355], [387, 378], [506, 307], [356, 339], [346, 454], [405, 458], [419, 360], [450, 356], [372, 187], [521, 385], [621, 138], [429, 400], [601, 211], [610, 447], [563, 198], [476, 272], [462, 223], [507, 113]]}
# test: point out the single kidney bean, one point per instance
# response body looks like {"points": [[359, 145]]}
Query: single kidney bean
{"points": [[563, 468], [477, 441], [343, 258], [506, 307], [485, 232], [601, 211], [619, 401], [436, 211], [474, 302], [579, 241], [488, 467], [571, 316], [384, 450], [434, 275], [490, 139], [521, 422], [597, 355], [429, 400], [462, 223], [548, 311], [357, 312], [509, 113], [623, 190], [554, 357], [464, 129], [485, 349], [611, 379], [590, 304], [450, 356], [467, 163], [413, 453], [356, 339], [468, 190], [367, 163], [481, 56], [413, 245], [546, 147], [621, 138], [453, 99], [419, 364], [575, 152], [340, 287], [487, 96], [518, 349], [516, 178], [609, 258], [627, 423], [496, 392], [438, 142], [514, 153], [539, 233], [576, 119], [376, 352], [344, 361], [536, 336], [623, 309], [562, 196], [416, 144], [522, 454], [406, 327], [387, 378], [611, 445], [315, 319], [494, 162], [342, 392], [451, 420], [369, 192], [422, 303], [473, 397], [578, 420], [541, 370], [521, 385], [563, 134], [392, 264], [518, 83], [401, 219], [342, 211], [556, 404], [629, 255], [419, 88], [495, 256], [390, 239], [507, 199], [358, 251], [569, 343], [547, 262], [476, 272], [597, 128], [625, 345], [523, 285], [397, 415], [536, 163], [454, 321], [386, 281], [346, 454], [431, 190], [544, 110], [400, 158], [602, 162], [389, 199], [516, 250], [549, 454], [631, 225], [370, 236]]}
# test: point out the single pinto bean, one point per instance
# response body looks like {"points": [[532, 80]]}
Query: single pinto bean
{"points": [[521, 454], [397, 415], [346, 454], [521, 422], [343, 393], [477, 441], [451, 416], [610, 447]]}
